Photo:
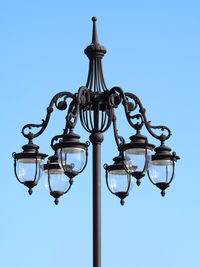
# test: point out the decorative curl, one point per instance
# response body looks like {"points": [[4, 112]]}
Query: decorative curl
{"points": [[43, 125], [142, 116], [54, 139], [95, 112], [118, 139]]}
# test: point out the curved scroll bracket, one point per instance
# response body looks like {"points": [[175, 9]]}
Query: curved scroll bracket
{"points": [[131, 106], [118, 139], [54, 139], [80, 98], [161, 137], [62, 105]]}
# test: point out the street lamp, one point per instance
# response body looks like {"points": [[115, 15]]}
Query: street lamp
{"points": [[28, 165], [95, 105], [138, 151], [118, 178]]}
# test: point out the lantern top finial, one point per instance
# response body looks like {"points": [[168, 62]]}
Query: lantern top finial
{"points": [[95, 50], [94, 33], [94, 19]]}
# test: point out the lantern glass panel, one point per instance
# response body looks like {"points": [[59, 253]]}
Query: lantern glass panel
{"points": [[135, 159], [118, 181], [73, 159], [58, 180], [160, 171], [26, 169]]}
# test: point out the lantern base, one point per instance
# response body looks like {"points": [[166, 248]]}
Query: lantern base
{"points": [[30, 185], [56, 195], [122, 196], [162, 187], [138, 182], [138, 175]]}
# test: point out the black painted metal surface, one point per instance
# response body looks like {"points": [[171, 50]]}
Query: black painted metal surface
{"points": [[95, 105]]}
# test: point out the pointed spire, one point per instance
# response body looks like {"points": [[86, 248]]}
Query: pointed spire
{"points": [[95, 50], [94, 33]]}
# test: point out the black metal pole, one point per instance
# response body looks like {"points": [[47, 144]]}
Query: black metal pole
{"points": [[96, 139]]}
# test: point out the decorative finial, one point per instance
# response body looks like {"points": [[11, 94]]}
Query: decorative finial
{"points": [[30, 191], [94, 19], [71, 181], [94, 34], [138, 182], [95, 50], [122, 202], [163, 193], [56, 201]]}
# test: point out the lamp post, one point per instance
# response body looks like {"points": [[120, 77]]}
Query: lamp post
{"points": [[95, 105]]}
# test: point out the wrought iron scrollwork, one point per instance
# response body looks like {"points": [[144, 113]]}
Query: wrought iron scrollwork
{"points": [[95, 105], [62, 105], [54, 139], [118, 139], [129, 107], [162, 137]]}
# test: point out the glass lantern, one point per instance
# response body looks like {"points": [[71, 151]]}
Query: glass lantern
{"points": [[161, 168], [56, 182], [118, 178], [72, 154], [137, 154], [28, 165]]}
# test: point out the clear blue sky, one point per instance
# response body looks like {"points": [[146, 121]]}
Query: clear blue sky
{"points": [[153, 51]]}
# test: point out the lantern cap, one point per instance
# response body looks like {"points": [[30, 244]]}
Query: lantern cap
{"points": [[30, 147], [71, 137], [30, 150], [163, 152], [138, 141], [118, 164], [53, 158], [52, 163], [71, 140], [138, 137]]}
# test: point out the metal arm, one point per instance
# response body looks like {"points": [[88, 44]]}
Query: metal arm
{"points": [[118, 139], [62, 105], [130, 107]]}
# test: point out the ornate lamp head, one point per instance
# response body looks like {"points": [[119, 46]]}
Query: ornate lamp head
{"points": [[137, 154], [72, 154], [161, 168], [56, 181], [28, 165], [118, 178]]}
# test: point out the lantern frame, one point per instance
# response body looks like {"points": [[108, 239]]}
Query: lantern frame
{"points": [[52, 163], [162, 152], [118, 165], [71, 140], [139, 141], [30, 151]]}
